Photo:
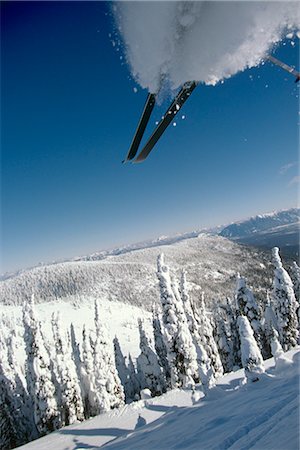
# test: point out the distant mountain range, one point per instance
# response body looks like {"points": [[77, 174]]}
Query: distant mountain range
{"points": [[280, 228], [211, 263]]}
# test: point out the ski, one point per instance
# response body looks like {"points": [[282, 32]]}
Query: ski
{"points": [[171, 112], [284, 67], [149, 105]]}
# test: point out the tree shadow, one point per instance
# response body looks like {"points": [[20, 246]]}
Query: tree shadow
{"points": [[159, 408], [96, 432]]}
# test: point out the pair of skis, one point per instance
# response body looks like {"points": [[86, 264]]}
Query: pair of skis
{"points": [[171, 112], [167, 118]]}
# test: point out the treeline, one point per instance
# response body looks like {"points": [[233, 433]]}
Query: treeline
{"points": [[66, 381]]}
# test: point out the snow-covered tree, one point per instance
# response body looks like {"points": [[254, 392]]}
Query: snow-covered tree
{"points": [[295, 277], [16, 422], [252, 359], [181, 350], [225, 342], [248, 307], [227, 336], [206, 372], [207, 338], [150, 372], [76, 357], [270, 325], [38, 375], [108, 385], [71, 404], [88, 382], [134, 378], [284, 301], [160, 346], [123, 372]]}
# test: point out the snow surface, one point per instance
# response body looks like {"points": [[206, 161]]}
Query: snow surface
{"points": [[200, 40], [234, 415]]}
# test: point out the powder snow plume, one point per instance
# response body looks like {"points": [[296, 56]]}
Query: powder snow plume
{"points": [[206, 41]]}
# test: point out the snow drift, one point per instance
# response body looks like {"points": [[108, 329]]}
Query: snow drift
{"points": [[262, 415], [200, 40]]}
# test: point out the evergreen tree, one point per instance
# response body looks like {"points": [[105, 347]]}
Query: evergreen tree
{"points": [[207, 338], [252, 360], [90, 398], [181, 350], [270, 326], [134, 378], [109, 389], [149, 371], [206, 372], [249, 308], [76, 357], [123, 372], [21, 396], [285, 304], [225, 342], [38, 375], [70, 393], [295, 277], [16, 428], [160, 346], [228, 339]]}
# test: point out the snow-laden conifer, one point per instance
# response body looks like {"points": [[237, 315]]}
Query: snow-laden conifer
{"points": [[207, 338], [150, 372], [108, 385], [123, 372], [38, 375], [181, 350], [248, 307], [16, 420], [134, 378], [206, 372], [76, 357], [160, 346], [70, 393], [227, 335], [224, 340], [295, 277], [252, 359], [284, 301], [88, 382], [270, 325]]}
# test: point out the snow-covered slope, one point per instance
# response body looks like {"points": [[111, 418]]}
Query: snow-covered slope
{"points": [[210, 261], [262, 415]]}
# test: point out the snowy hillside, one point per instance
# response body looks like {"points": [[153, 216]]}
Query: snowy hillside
{"points": [[262, 415], [210, 261]]}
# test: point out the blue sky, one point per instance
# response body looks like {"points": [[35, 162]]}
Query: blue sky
{"points": [[69, 111]]}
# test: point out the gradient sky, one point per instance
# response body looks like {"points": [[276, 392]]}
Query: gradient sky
{"points": [[69, 111]]}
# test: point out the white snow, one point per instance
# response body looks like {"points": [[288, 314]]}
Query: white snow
{"points": [[262, 415], [200, 40]]}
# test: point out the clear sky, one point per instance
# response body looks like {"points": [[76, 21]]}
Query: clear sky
{"points": [[68, 113]]}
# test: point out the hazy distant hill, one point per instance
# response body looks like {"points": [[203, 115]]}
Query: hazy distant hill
{"points": [[279, 229]]}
